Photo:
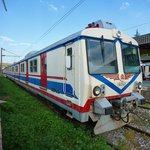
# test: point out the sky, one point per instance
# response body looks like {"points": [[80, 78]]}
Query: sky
{"points": [[27, 20]]}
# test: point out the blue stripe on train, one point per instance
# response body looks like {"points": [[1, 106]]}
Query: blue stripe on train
{"points": [[23, 78], [51, 85], [34, 81], [55, 86], [17, 76], [59, 88], [113, 86]]}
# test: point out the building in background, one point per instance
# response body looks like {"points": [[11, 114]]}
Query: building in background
{"points": [[5, 65], [144, 46]]}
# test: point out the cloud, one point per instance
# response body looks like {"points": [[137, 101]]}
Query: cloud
{"points": [[6, 39], [9, 41], [51, 6], [20, 44], [124, 5], [25, 44]]}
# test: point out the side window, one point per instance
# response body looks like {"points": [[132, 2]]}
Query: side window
{"points": [[33, 66], [16, 68], [69, 59], [22, 67]]}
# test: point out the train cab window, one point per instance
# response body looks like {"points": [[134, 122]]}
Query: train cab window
{"points": [[101, 56], [130, 57], [33, 66]]}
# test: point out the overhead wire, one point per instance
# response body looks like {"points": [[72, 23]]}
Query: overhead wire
{"points": [[58, 22], [4, 5], [132, 27], [15, 55]]}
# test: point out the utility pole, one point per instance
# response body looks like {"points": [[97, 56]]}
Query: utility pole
{"points": [[1, 60], [1, 56]]}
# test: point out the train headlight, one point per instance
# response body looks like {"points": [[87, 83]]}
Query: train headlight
{"points": [[96, 91], [139, 85]]}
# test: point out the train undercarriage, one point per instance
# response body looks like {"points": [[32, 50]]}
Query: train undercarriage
{"points": [[114, 114]]}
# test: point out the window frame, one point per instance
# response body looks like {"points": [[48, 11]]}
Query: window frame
{"points": [[33, 65], [16, 69], [101, 40], [137, 50], [22, 67]]}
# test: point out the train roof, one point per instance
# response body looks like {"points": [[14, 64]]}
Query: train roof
{"points": [[52, 46]]}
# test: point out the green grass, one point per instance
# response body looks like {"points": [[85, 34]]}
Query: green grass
{"points": [[28, 125]]}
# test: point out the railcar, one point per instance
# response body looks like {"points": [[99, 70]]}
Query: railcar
{"points": [[146, 70], [94, 73]]}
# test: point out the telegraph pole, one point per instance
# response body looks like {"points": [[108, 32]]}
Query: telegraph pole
{"points": [[1, 56], [1, 60]]}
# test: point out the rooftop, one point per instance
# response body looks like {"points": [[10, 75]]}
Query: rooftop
{"points": [[143, 39]]}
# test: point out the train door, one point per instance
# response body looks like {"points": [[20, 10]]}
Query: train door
{"points": [[27, 74], [43, 71], [69, 71]]}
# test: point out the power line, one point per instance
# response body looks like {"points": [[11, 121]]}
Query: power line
{"points": [[132, 27], [4, 5], [10, 56], [57, 22], [11, 53]]}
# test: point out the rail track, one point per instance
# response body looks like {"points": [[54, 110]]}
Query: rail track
{"points": [[148, 102], [115, 137], [144, 107], [137, 129]]}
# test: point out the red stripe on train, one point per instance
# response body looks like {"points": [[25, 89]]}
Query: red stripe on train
{"points": [[118, 96], [55, 77]]}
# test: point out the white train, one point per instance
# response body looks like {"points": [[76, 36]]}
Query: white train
{"points": [[94, 73], [146, 70]]}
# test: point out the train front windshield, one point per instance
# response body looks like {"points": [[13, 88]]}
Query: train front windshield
{"points": [[101, 56], [130, 58]]}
